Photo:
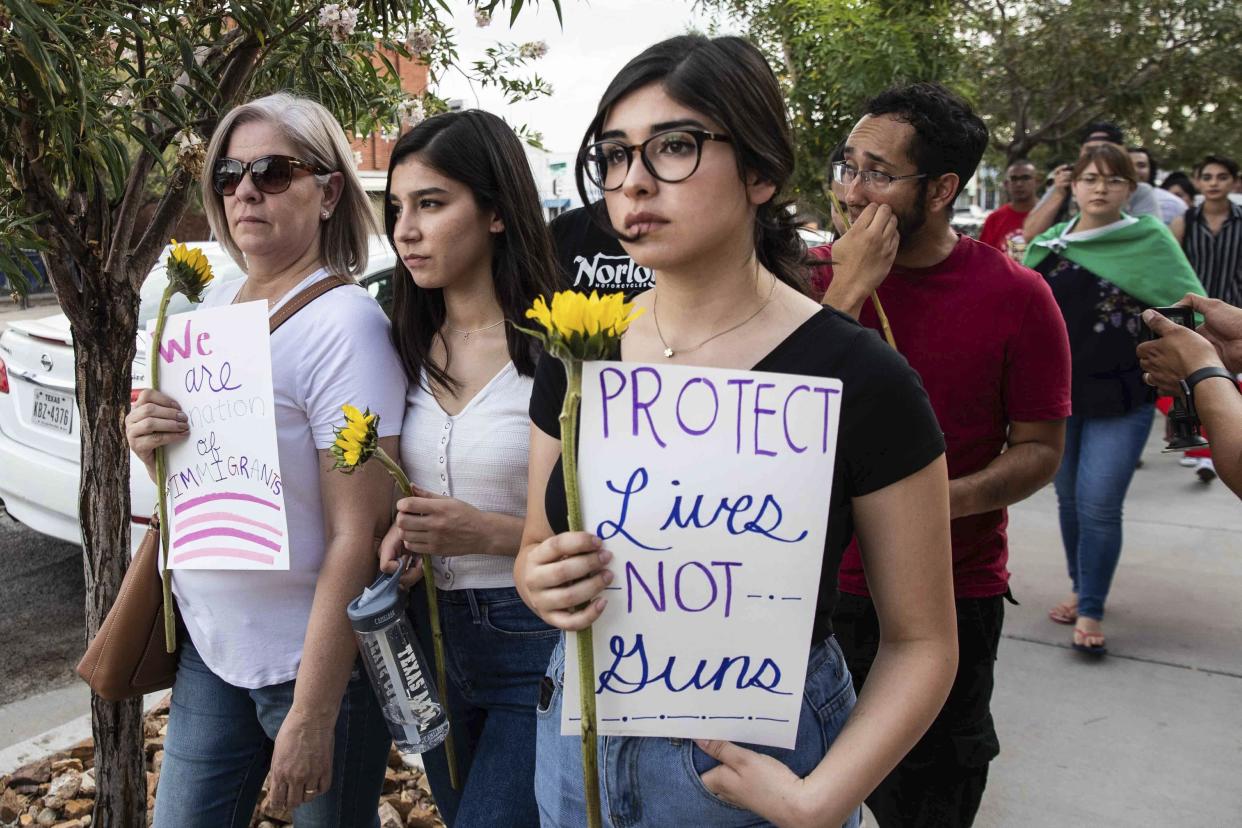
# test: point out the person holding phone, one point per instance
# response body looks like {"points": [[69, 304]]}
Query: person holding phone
{"points": [[1208, 360], [1105, 268]]}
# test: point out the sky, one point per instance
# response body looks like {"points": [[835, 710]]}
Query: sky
{"points": [[598, 38]]}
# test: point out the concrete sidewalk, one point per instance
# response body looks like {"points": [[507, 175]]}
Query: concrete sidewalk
{"points": [[1150, 735]]}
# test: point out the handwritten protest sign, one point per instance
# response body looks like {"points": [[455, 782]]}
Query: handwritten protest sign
{"points": [[711, 489], [225, 506]]}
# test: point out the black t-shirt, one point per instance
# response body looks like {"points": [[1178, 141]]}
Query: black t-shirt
{"points": [[886, 433], [590, 259], [1103, 323]]}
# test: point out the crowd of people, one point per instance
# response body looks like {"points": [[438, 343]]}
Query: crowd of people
{"points": [[1001, 377]]}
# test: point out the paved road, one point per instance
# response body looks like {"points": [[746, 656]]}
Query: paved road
{"points": [[42, 614]]}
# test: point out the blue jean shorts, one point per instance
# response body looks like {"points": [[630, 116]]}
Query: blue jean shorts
{"points": [[649, 782]]}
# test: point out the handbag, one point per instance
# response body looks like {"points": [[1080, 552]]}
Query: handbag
{"points": [[127, 657]]}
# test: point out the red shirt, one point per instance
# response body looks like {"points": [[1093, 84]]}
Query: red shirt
{"points": [[1001, 225], [989, 342]]}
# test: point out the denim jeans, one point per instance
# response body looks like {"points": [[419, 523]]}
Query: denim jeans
{"points": [[1096, 469], [655, 783], [219, 747], [496, 651]]}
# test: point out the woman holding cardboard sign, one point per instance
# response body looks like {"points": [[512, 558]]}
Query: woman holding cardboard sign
{"points": [[691, 148], [268, 683], [463, 214]]}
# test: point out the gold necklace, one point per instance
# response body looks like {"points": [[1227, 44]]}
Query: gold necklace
{"points": [[669, 353]]}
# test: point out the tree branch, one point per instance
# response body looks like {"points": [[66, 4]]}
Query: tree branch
{"points": [[169, 210]]}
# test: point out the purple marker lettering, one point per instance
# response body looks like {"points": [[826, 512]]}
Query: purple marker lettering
{"points": [[644, 406], [171, 349], [631, 575], [603, 390], [827, 392], [740, 383], [728, 578], [715, 407], [759, 413], [677, 586], [785, 419]]}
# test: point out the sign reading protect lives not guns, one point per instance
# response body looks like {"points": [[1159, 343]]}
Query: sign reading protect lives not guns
{"points": [[711, 489], [225, 506]]}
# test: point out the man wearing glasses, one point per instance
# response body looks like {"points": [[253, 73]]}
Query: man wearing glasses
{"points": [[1003, 227], [989, 343]]}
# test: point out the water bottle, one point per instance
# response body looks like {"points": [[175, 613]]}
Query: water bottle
{"points": [[397, 667]]}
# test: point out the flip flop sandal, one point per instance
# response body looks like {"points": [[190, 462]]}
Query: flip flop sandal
{"points": [[1091, 649], [1064, 614]]}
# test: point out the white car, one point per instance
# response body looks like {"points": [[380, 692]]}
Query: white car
{"points": [[40, 442]]}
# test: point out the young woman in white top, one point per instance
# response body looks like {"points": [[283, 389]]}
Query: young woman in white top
{"points": [[268, 672], [463, 214]]}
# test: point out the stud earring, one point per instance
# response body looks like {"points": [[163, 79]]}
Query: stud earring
{"points": [[325, 215]]}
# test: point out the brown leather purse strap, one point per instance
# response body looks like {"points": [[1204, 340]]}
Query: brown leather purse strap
{"points": [[304, 298]]}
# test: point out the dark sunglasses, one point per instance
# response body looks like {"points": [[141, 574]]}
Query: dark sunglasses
{"points": [[271, 174]]}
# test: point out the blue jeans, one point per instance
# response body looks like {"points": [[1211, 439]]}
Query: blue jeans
{"points": [[219, 746], [496, 652], [1096, 469], [655, 783]]}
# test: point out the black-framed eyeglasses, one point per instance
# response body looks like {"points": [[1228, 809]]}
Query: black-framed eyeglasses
{"points": [[271, 174], [670, 156], [873, 180]]}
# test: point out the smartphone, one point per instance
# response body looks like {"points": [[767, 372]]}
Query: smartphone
{"points": [[1177, 315]]}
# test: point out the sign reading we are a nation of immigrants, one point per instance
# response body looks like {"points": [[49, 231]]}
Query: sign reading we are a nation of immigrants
{"points": [[711, 489], [226, 508]]}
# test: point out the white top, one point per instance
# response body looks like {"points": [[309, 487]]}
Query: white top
{"points": [[249, 626], [479, 457]]}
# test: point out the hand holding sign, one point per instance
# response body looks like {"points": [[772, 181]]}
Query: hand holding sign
{"points": [[565, 579]]}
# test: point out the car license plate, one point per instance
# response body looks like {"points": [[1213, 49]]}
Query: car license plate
{"points": [[53, 410]]}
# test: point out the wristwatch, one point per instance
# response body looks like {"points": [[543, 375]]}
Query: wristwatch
{"points": [[1199, 376]]}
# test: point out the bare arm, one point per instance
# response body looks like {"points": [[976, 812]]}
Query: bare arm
{"points": [[903, 531], [908, 564], [1044, 214], [560, 577], [355, 514], [862, 259], [1026, 466], [1220, 409]]}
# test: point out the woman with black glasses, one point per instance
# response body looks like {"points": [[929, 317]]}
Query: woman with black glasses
{"points": [[268, 684], [691, 147]]}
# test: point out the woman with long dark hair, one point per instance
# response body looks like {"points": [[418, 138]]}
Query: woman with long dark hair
{"points": [[463, 214], [691, 148]]}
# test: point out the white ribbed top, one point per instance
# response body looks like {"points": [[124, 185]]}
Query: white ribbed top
{"points": [[477, 456]]}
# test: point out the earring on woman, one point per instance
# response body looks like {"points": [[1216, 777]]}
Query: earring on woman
{"points": [[325, 215]]}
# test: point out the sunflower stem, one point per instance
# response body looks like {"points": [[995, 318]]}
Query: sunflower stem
{"points": [[433, 610], [586, 648], [161, 476]]}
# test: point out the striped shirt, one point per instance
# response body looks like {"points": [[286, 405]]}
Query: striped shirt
{"points": [[1216, 257]]}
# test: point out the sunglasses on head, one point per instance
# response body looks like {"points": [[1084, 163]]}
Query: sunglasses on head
{"points": [[271, 174]]}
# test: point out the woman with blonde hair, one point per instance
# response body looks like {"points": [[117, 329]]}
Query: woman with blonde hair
{"points": [[269, 683]]}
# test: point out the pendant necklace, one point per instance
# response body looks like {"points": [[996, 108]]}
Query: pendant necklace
{"points": [[669, 353], [466, 334]]}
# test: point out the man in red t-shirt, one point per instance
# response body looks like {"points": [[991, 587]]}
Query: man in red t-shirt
{"points": [[989, 342], [1003, 227]]}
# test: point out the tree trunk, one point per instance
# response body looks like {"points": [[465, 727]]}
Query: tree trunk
{"points": [[104, 351]]}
